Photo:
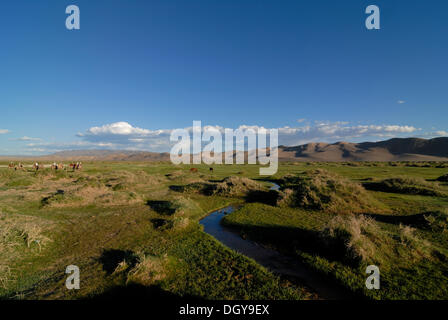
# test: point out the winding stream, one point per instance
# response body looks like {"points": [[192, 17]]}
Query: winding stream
{"points": [[272, 259]]}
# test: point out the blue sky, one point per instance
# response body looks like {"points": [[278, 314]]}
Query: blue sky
{"points": [[138, 69]]}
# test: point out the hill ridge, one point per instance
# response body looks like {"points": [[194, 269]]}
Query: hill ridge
{"points": [[395, 149]]}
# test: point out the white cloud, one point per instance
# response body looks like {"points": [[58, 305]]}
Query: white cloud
{"points": [[117, 128], [442, 133], [401, 101], [122, 133], [25, 138], [336, 131], [124, 136], [4, 131]]}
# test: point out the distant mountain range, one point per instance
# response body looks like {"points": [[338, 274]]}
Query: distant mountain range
{"points": [[108, 155], [397, 149]]}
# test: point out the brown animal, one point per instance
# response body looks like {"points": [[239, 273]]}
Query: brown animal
{"points": [[193, 170], [11, 165]]}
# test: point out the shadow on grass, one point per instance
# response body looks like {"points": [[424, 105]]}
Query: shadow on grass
{"points": [[47, 200], [203, 188], [415, 220], [162, 224], [402, 189], [166, 208], [267, 197], [111, 258], [290, 239]]}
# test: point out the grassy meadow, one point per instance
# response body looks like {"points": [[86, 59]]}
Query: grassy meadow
{"points": [[133, 229]]}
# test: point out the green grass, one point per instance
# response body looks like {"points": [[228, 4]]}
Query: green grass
{"points": [[88, 221], [408, 240], [132, 232]]}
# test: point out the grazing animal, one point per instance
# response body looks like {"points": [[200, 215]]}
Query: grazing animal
{"points": [[194, 170], [11, 165]]}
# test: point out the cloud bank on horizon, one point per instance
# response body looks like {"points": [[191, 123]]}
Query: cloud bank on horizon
{"points": [[124, 136]]}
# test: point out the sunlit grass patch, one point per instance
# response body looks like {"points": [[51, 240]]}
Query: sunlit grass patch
{"points": [[408, 185], [323, 190]]}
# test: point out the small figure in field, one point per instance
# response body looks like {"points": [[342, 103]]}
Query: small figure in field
{"points": [[194, 170], [11, 165], [61, 166], [36, 166], [211, 169], [21, 166]]}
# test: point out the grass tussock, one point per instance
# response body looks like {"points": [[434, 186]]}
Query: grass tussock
{"points": [[6, 277], [359, 239], [20, 237], [236, 186], [356, 238], [88, 195], [21, 231], [408, 185], [232, 186], [437, 221], [116, 188], [123, 179], [322, 190], [149, 269]]}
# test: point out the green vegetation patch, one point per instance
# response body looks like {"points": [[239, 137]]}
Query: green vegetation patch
{"points": [[323, 190], [408, 185]]}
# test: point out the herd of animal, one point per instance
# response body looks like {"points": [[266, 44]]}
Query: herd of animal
{"points": [[60, 166], [38, 166]]}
